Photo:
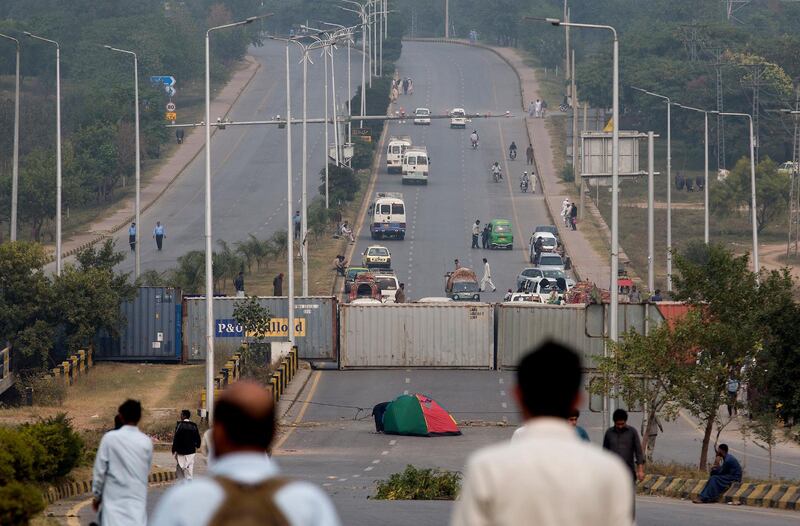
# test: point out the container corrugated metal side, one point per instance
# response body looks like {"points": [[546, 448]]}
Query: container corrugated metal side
{"points": [[446, 335], [315, 320], [148, 331], [522, 326]]}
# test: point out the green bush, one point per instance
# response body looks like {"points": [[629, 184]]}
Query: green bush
{"points": [[567, 174], [20, 456], [19, 503], [46, 390], [362, 154], [420, 484], [62, 445]]}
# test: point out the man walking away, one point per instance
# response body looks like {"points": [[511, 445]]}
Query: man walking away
{"points": [[296, 219], [487, 276], [485, 236], [529, 154], [476, 230], [159, 234], [184, 446], [733, 390], [245, 486], [623, 440], [565, 208], [277, 285], [532, 479], [121, 468], [238, 284], [722, 476], [573, 217], [132, 236]]}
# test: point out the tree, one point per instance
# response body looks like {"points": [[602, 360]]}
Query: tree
{"points": [[190, 273], [37, 190], [725, 320], [647, 371], [342, 183], [772, 192]]}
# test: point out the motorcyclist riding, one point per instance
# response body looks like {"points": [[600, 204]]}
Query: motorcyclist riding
{"points": [[474, 138], [524, 182], [512, 150], [497, 172]]}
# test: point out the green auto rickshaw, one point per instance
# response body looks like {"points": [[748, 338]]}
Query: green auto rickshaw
{"points": [[501, 234]]}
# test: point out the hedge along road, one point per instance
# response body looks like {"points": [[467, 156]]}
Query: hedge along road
{"points": [[248, 165]]}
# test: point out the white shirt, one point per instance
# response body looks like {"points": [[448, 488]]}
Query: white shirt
{"points": [[194, 504], [119, 478], [546, 477], [487, 271], [475, 229]]}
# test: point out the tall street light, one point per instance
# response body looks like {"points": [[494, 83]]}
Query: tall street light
{"points": [[362, 13], [58, 145], [669, 181], [209, 250], [289, 236], [349, 32], [304, 199], [752, 184], [705, 168], [15, 167], [137, 237], [614, 289]]}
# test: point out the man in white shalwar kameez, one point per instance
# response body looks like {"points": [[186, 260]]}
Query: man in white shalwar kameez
{"points": [[121, 469]]}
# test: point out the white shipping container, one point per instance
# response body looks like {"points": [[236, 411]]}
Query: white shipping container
{"points": [[446, 335]]}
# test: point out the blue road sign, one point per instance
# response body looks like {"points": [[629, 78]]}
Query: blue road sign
{"points": [[166, 80]]}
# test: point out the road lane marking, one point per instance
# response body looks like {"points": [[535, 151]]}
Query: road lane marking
{"points": [[501, 380], [385, 452], [405, 392], [408, 380], [504, 405], [72, 514], [368, 468], [502, 393], [301, 413], [376, 461]]}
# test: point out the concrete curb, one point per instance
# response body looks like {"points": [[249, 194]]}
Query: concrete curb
{"points": [[72, 489], [283, 375], [146, 206], [777, 495]]}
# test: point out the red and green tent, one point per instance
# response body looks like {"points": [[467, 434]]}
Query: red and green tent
{"points": [[418, 415]]}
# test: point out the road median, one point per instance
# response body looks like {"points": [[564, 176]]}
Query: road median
{"points": [[763, 495]]}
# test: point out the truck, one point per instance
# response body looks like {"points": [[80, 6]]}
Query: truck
{"points": [[415, 165], [394, 152], [388, 213]]}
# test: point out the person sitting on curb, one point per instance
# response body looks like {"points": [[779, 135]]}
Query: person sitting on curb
{"points": [[725, 472]]}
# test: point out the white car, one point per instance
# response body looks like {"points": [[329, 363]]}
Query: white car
{"points": [[434, 299], [458, 118], [422, 116], [388, 285], [549, 244], [376, 256]]}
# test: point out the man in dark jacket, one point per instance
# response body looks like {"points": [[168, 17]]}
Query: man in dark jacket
{"points": [[623, 440], [184, 446], [277, 285]]}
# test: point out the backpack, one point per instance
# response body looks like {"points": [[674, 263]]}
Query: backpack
{"points": [[250, 504]]}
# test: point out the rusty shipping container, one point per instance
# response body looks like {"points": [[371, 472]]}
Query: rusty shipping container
{"points": [[316, 329], [446, 335]]}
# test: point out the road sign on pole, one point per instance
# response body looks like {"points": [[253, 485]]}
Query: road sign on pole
{"points": [[166, 80], [170, 115], [170, 90], [170, 106]]}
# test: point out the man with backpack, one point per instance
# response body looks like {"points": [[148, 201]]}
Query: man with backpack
{"points": [[244, 486]]}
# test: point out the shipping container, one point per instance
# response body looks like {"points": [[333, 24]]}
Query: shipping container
{"points": [[316, 331], [446, 335], [150, 331], [522, 326]]}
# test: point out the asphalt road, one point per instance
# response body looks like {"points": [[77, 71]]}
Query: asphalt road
{"points": [[460, 188], [248, 164]]}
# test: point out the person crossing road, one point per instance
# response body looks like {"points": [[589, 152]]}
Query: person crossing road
{"points": [[487, 276]]}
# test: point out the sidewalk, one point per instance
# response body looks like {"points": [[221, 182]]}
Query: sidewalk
{"points": [[167, 171], [587, 264]]}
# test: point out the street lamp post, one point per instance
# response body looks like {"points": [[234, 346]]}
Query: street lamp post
{"points": [[209, 264], [289, 236], [669, 181], [614, 288], [705, 168], [752, 185], [15, 166], [58, 146], [138, 236], [362, 14], [348, 31]]}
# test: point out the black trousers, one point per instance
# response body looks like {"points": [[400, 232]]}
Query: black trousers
{"points": [[132, 242], [475, 241], [159, 240]]}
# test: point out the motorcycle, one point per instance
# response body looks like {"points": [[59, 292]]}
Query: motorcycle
{"points": [[523, 185], [512, 154], [497, 175], [474, 144]]}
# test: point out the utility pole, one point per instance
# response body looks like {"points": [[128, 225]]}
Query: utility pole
{"points": [[567, 68], [720, 109], [446, 18], [756, 75]]}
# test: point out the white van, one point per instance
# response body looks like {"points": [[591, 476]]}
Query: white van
{"points": [[415, 165], [388, 216], [388, 285], [394, 152], [458, 118]]}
